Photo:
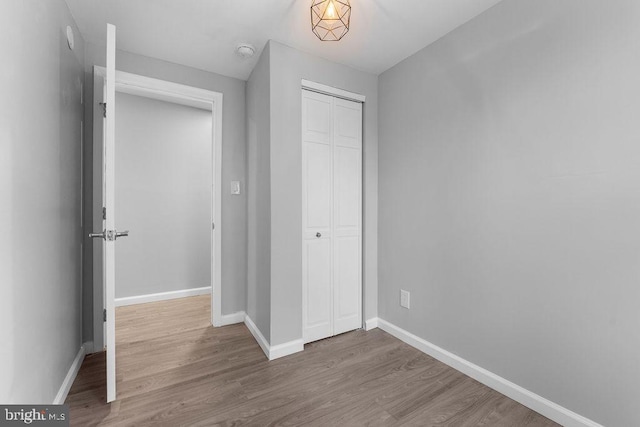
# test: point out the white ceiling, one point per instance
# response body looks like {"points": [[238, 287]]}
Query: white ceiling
{"points": [[204, 33]]}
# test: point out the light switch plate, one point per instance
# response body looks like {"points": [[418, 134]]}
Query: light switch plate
{"points": [[404, 298], [235, 188]]}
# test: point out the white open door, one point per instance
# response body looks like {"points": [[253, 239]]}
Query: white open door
{"points": [[109, 233], [110, 227]]}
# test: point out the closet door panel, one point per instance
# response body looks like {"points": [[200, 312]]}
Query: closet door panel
{"points": [[317, 216], [317, 117], [318, 322], [348, 123], [347, 289], [347, 216], [318, 187], [317, 159], [347, 242], [347, 171]]}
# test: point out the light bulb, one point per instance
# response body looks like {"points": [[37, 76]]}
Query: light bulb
{"points": [[331, 10]]}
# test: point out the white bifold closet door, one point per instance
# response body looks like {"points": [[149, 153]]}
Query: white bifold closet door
{"points": [[331, 215]]}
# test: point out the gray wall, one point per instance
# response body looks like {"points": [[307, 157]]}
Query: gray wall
{"points": [[259, 196], [163, 193], [510, 198], [287, 68], [40, 143], [234, 208]]}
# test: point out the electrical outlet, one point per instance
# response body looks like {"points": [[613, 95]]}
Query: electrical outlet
{"points": [[404, 298]]}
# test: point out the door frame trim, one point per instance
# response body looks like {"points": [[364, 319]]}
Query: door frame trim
{"points": [[149, 87], [332, 91]]}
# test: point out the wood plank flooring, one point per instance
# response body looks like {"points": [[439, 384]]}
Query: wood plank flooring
{"points": [[175, 369]]}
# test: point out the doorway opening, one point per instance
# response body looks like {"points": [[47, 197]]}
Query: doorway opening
{"points": [[163, 195]]}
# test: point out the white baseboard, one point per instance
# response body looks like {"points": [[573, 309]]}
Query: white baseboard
{"points": [[529, 399], [276, 351], [161, 296], [70, 378], [88, 348], [262, 342], [371, 324], [231, 319], [282, 350]]}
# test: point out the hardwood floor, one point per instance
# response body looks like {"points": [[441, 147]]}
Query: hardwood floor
{"points": [[175, 369]]}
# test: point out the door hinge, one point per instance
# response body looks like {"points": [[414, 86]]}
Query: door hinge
{"points": [[213, 225], [104, 109], [104, 213], [104, 315]]}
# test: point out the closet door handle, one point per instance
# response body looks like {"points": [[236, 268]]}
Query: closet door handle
{"points": [[318, 235]]}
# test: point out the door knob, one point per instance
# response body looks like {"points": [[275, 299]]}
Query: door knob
{"points": [[109, 235], [318, 235]]}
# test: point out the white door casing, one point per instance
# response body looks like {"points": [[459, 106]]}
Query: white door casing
{"points": [[175, 93], [332, 215]]}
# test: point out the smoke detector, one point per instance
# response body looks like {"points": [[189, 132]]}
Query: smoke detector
{"points": [[245, 50]]}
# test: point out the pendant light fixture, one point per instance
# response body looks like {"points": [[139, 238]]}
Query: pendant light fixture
{"points": [[330, 19]]}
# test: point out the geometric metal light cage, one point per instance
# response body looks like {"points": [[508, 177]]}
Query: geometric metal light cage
{"points": [[330, 19]]}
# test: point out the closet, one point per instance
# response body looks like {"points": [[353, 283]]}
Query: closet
{"points": [[331, 215]]}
